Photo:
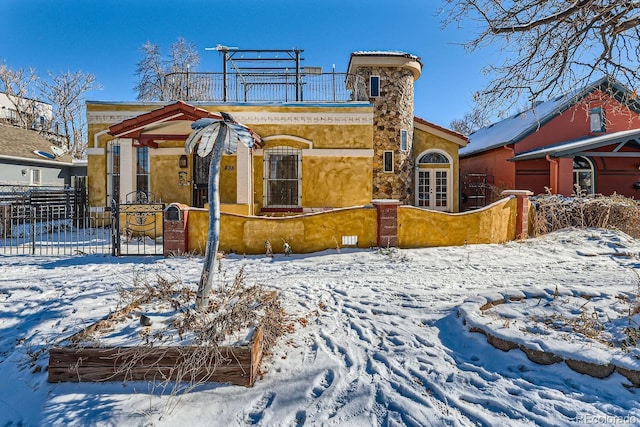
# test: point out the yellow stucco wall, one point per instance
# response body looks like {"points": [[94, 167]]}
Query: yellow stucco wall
{"points": [[319, 231], [418, 228], [165, 181], [305, 233], [328, 181], [424, 141], [228, 179], [336, 181]]}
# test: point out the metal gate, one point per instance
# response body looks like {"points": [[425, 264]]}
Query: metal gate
{"points": [[138, 225]]}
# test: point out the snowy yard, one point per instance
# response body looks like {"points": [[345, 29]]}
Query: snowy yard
{"points": [[377, 340]]}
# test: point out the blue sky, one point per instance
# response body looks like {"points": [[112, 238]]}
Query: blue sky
{"points": [[103, 38]]}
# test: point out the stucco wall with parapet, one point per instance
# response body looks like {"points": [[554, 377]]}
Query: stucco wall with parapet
{"points": [[324, 230], [419, 228], [305, 233]]}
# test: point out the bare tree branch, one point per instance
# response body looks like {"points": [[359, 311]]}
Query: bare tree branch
{"points": [[164, 79], [66, 92], [549, 47], [18, 85]]}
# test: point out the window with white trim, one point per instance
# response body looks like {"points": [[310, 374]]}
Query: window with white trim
{"points": [[283, 177], [596, 120], [113, 171], [374, 86], [583, 175], [142, 169], [404, 139], [434, 183], [388, 161], [36, 177]]}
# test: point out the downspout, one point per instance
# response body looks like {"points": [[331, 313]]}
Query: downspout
{"points": [[554, 179], [511, 149]]}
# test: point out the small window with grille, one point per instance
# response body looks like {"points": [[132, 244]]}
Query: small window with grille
{"points": [[282, 178]]}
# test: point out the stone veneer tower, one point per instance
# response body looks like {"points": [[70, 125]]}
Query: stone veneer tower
{"points": [[393, 100]]}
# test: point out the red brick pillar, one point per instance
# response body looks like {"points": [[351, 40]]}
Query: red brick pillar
{"points": [[387, 222], [522, 211]]}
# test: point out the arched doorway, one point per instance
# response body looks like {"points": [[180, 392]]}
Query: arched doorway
{"points": [[434, 176], [583, 175]]}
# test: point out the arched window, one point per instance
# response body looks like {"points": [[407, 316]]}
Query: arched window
{"points": [[434, 181], [583, 175], [433, 157]]}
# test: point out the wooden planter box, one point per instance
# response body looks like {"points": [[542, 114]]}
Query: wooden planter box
{"points": [[236, 365]]}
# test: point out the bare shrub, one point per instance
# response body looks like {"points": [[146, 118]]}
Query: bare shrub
{"points": [[196, 340], [555, 212]]}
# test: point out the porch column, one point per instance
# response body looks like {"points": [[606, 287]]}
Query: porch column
{"points": [[522, 211], [243, 177], [127, 168], [387, 222]]}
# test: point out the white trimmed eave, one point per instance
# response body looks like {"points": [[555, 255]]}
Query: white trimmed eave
{"points": [[39, 161], [462, 142]]}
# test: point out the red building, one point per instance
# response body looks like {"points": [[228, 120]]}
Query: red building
{"points": [[589, 138]]}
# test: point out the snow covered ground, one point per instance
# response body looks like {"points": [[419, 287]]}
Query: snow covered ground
{"points": [[382, 344]]}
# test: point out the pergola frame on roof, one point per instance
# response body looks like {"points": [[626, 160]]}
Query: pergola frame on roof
{"points": [[232, 56]]}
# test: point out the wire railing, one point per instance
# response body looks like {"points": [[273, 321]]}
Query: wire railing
{"points": [[263, 87]]}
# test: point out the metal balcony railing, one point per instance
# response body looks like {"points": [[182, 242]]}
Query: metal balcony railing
{"points": [[264, 87]]}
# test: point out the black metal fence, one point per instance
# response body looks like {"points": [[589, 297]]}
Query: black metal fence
{"points": [[51, 221], [264, 87], [58, 221]]}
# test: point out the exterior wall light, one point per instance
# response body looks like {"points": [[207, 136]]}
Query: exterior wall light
{"points": [[183, 162]]}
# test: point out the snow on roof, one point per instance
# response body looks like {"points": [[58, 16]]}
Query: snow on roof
{"points": [[572, 147], [383, 53], [521, 124]]}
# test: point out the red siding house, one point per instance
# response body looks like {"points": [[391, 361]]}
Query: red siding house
{"points": [[587, 139]]}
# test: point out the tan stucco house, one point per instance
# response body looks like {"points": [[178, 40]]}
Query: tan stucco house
{"points": [[319, 151]]}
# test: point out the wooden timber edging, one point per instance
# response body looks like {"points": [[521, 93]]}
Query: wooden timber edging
{"points": [[541, 357], [238, 365]]}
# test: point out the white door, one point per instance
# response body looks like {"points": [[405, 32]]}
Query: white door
{"points": [[432, 189]]}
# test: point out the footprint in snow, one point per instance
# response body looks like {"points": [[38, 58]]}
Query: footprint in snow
{"points": [[258, 408], [325, 382]]}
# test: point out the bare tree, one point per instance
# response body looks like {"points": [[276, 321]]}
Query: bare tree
{"points": [[470, 122], [551, 46], [151, 72], [18, 85], [66, 93], [164, 79]]}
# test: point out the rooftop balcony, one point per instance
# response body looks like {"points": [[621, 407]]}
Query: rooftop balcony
{"points": [[276, 87]]}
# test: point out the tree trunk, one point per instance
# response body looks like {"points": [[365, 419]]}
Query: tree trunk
{"points": [[213, 239]]}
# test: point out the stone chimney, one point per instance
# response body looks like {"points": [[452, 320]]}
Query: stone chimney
{"points": [[387, 80]]}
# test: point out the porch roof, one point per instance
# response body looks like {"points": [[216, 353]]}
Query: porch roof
{"points": [[585, 147], [171, 122]]}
